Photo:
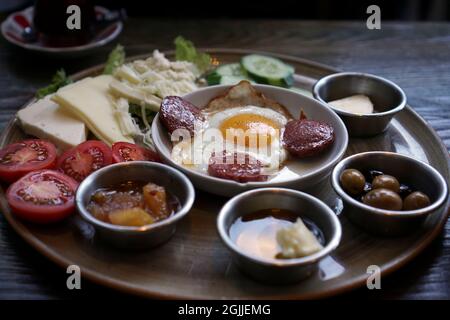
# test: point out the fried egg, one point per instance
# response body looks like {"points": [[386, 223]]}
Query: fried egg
{"points": [[249, 129]]}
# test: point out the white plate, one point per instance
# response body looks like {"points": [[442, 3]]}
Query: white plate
{"points": [[314, 169]]}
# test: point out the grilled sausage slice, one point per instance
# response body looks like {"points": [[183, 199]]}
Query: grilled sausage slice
{"points": [[177, 113], [305, 138]]}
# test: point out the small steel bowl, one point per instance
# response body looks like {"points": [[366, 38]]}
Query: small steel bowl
{"points": [[414, 173], [387, 97], [279, 271], [147, 236]]}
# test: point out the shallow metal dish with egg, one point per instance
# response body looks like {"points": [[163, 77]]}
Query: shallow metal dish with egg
{"points": [[129, 236], [419, 175], [296, 173]]}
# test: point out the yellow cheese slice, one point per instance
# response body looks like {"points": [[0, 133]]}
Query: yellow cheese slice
{"points": [[89, 100]]}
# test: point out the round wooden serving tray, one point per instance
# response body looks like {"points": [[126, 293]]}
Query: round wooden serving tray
{"points": [[195, 264]]}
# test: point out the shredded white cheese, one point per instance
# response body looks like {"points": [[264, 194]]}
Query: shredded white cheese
{"points": [[146, 82]]}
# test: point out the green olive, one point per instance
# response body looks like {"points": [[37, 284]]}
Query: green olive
{"points": [[416, 200], [386, 181], [352, 181], [383, 199]]}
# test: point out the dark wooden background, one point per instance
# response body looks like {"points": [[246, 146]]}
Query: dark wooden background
{"points": [[415, 55]]}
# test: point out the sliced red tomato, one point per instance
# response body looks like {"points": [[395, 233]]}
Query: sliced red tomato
{"points": [[19, 158], [125, 151], [81, 161], [42, 196]]}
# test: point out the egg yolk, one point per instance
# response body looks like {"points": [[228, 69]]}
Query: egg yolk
{"points": [[249, 130]]}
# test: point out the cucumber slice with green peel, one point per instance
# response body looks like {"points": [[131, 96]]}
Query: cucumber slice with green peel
{"points": [[227, 74], [231, 69], [264, 69], [213, 78]]}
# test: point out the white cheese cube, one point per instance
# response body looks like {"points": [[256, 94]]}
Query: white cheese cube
{"points": [[45, 119], [358, 104]]}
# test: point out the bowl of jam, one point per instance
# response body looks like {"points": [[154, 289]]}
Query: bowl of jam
{"points": [[135, 204]]}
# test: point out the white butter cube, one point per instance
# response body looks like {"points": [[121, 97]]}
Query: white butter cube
{"points": [[358, 104]]}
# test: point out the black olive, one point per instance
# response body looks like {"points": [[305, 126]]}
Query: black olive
{"points": [[405, 190], [373, 173], [367, 187]]}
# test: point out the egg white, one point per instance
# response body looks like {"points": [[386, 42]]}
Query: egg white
{"points": [[195, 153], [215, 119]]}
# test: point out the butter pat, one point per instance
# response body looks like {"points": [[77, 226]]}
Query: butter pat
{"points": [[359, 104], [46, 120], [89, 101], [297, 241]]}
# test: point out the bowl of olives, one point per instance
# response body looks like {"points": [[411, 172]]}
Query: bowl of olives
{"points": [[388, 193]]}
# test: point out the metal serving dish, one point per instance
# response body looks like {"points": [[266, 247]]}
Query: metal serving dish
{"points": [[415, 173], [387, 97], [317, 169], [194, 264], [274, 270], [137, 237]]}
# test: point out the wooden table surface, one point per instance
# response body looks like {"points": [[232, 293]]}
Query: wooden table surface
{"points": [[414, 55]]}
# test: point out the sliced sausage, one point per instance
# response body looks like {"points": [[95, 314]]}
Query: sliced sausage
{"points": [[305, 138], [177, 113], [236, 166]]}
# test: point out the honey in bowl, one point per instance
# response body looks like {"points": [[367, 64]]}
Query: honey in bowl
{"points": [[256, 233]]}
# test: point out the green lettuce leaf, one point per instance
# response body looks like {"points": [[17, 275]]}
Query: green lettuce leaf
{"points": [[59, 80], [186, 51], [115, 59]]}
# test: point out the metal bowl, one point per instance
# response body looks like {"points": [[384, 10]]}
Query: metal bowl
{"points": [[151, 235], [417, 174], [318, 168], [387, 97], [279, 271]]}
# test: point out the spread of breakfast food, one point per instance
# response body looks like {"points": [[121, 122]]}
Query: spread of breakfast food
{"points": [[97, 146]]}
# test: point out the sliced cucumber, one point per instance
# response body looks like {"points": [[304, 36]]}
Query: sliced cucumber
{"points": [[231, 69], [227, 74], [213, 78], [264, 69]]}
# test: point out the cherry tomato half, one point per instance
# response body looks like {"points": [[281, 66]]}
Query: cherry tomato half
{"points": [[125, 151], [81, 161], [18, 159], [42, 196]]}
